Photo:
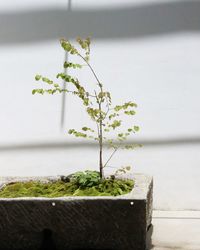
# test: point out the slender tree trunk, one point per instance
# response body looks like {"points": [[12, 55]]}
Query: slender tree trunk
{"points": [[100, 143], [101, 151], [100, 122]]}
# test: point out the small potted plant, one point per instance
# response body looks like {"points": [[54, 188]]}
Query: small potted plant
{"points": [[85, 210]]}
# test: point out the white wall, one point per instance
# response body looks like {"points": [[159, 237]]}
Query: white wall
{"points": [[147, 51]]}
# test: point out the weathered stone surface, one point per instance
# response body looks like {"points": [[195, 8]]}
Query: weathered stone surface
{"points": [[77, 222]]}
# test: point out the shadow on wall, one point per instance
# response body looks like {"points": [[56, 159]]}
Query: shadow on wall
{"points": [[127, 22], [70, 145]]}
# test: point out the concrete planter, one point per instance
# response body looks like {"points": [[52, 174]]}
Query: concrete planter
{"points": [[77, 222]]}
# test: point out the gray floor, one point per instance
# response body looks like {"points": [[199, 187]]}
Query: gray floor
{"points": [[177, 230]]}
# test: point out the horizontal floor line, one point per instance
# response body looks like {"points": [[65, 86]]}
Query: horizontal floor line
{"points": [[177, 218], [180, 214], [81, 144]]}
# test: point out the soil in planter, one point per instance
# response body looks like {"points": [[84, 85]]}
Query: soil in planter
{"points": [[107, 187]]}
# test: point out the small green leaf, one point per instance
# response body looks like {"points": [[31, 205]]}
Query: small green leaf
{"points": [[38, 77], [120, 135], [71, 131], [84, 128], [115, 124], [128, 168], [66, 45], [72, 65], [136, 128], [130, 112], [47, 80]]}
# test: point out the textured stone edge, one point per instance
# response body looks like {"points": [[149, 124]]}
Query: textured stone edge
{"points": [[142, 185]]}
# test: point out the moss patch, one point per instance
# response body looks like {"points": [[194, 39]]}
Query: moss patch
{"points": [[107, 187]]}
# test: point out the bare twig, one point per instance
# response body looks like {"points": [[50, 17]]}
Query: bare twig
{"points": [[115, 150]]}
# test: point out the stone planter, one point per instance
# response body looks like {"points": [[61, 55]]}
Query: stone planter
{"points": [[119, 223]]}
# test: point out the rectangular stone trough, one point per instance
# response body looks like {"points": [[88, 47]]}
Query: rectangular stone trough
{"points": [[119, 223]]}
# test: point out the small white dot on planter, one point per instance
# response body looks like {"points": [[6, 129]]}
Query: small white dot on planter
{"points": [[132, 203], [53, 204]]}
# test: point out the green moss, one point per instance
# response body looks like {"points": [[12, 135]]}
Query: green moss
{"points": [[107, 187]]}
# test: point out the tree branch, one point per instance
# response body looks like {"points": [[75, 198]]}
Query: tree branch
{"points": [[110, 157]]}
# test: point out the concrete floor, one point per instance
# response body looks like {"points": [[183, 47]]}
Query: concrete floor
{"points": [[177, 230]]}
